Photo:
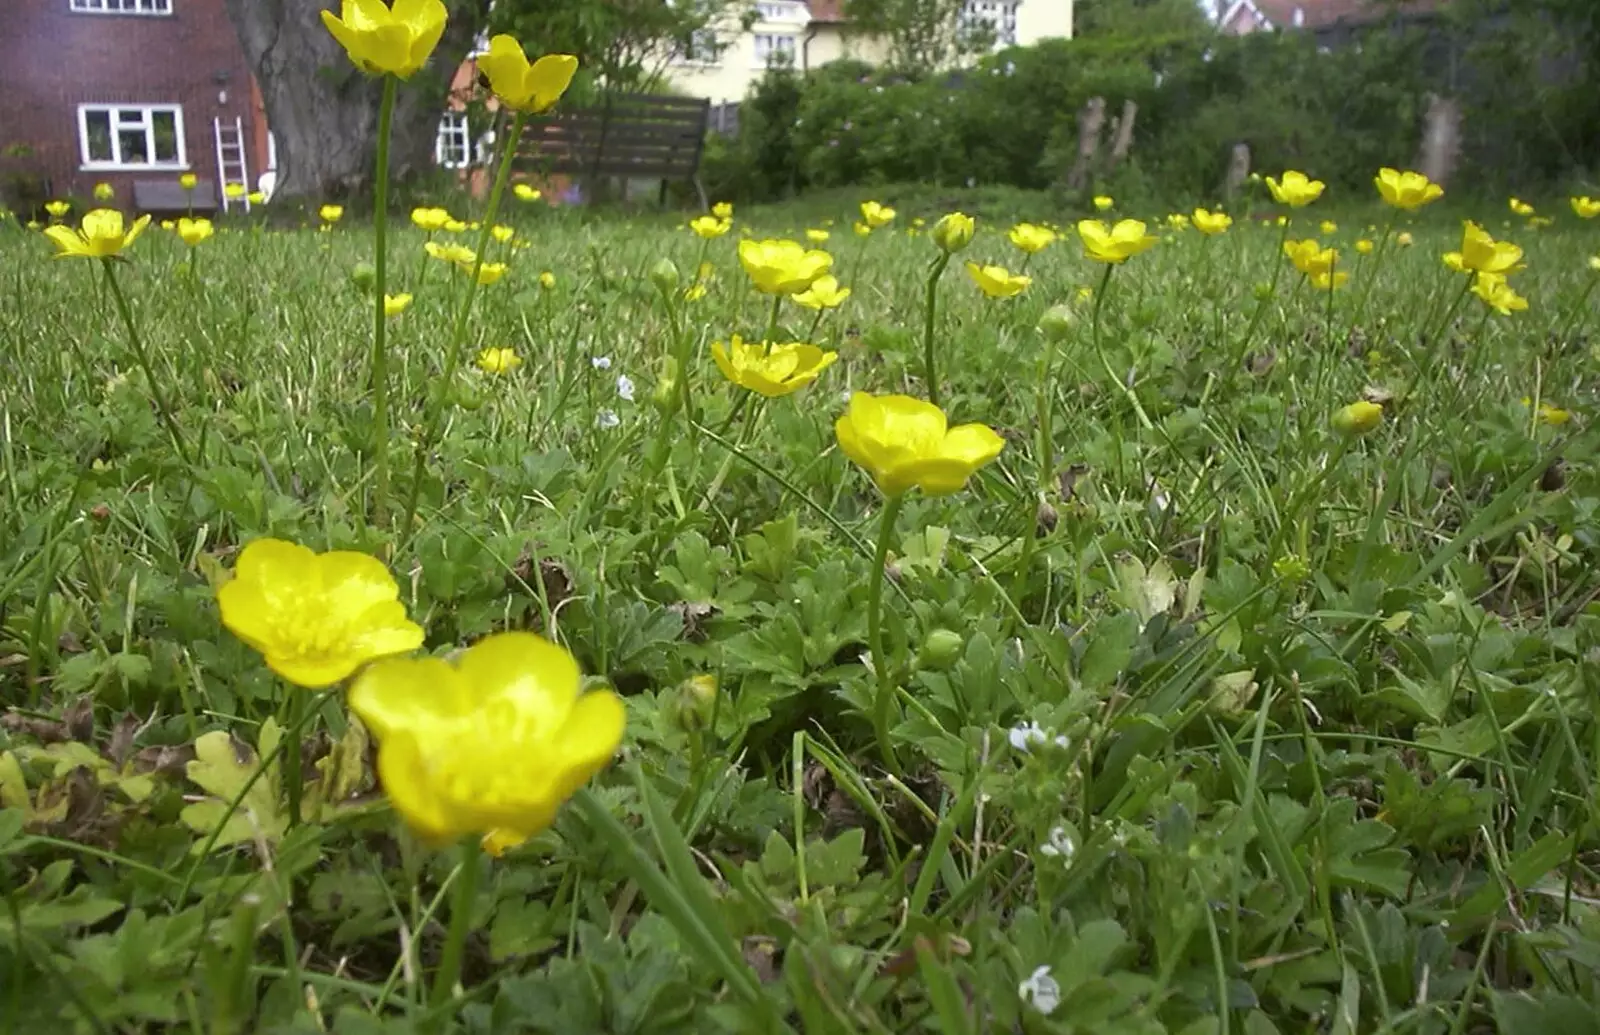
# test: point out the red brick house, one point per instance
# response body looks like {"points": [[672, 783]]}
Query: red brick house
{"points": [[124, 91]]}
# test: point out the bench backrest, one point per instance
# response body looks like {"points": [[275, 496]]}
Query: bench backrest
{"points": [[639, 135], [166, 196]]}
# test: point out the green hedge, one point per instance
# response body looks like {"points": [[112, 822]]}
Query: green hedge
{"points": [[1337, 112]]}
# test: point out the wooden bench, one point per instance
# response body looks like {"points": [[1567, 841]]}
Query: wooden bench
{"points": [[167, 198], [635, 136]]}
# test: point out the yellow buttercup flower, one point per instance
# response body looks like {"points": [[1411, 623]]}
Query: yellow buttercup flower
{"points": [[824, 293], [1031, 238], [905, 443], [782, 267], [502, 233], [1404, 239], [1406, 190], [384, 40], [1103, 203], [817, 236], [547, 280], [459, 254], [1211, 222], [234, 191], [861, 229], [331, 213], [1497, 294], [101, 236], [488, 273], [707, 227], [104, 192], [770, 370], [1329, 227], [1364, 246], [454, 226], [394, 305], [1481, 253], [430, 219], [1594, 263], [499, 361], [315, 617], [1295, 189], [1178, 221], [722, 210], [194, 231], [256, 197], [1311, 258], [1329, 280], [954, 232], [876, 215], [57, 209], [188, 181], [1586, 207], [1114, 244], [997, 281], [490, 744], [1358, 418], [524, 192], [1520, 207], [526, 87]]}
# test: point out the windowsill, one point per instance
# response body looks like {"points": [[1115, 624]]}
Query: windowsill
{"points": [[123, 14], [119, 167], [696, 65]]}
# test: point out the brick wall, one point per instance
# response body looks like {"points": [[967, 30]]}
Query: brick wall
{"points": [[53, 59]]}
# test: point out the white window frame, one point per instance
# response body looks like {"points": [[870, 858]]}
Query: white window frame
{"points": [[767, 48], [705, 49], [454, 123], [780, 12], [141, 8], [999, 16], [114, 113]]}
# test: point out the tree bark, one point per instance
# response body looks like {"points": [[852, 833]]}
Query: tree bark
{"points": [[1122, 139], [1091, 120], [323, 111]]}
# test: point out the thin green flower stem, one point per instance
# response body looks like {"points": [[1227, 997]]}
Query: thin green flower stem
{"points": [[380, 348], [1261, 306], [291, 757], [883, 702], [816, 321], [163, 406], [772, 322], [449, 972], [1099, 349], [1372, 275], [433, 418], [1425, 347], [930, 309], [1581, 310]]}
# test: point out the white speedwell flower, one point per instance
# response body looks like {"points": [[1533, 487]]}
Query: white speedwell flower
{"points": [[1029, 735], [1041, 990], [625, 387], [1060, 845], [607, 419]]}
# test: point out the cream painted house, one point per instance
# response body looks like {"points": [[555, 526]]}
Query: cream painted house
{"points": [[725, 64]]}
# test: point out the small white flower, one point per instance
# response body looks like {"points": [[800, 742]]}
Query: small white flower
{"points": [[1041, 990], [1060, 845], [625, 387], [607, 419], [1030, 734], [601, 362]]}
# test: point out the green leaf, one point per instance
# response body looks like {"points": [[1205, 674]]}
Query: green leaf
{"points": [[1109, 651], [223, 767], [1530, 864]]}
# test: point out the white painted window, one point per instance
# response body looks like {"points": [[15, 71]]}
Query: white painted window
{"points": [[131, 136], [123, 6], [703, 48], [998, 16], [455, 148], [772, 47], [781, 11]]}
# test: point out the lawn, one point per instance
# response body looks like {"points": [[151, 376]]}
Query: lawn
{"points": [[1250, 688]]}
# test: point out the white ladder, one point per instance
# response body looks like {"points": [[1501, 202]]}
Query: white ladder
{"points": [[232, 165]]}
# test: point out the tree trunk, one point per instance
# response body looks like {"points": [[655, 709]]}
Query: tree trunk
{"points": [[1091, 120], [323, 111], [1122, 139]]}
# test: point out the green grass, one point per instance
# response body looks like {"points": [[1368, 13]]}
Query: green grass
{"points": [[1326, 707]]}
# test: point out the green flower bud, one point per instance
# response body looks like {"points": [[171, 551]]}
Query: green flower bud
{"points": [[664, 396], [664, 275], [941, 649], [1262, 291], [364, 276], [954, 232], [1057, 323]]}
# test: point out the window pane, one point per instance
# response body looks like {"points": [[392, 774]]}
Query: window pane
{"points": [[164, 128], [98, 133], [135, 146]]}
